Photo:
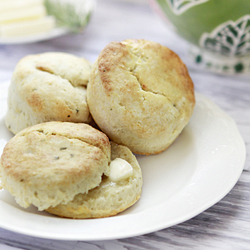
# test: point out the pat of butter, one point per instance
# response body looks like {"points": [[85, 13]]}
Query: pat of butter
{"points": [[7, 5], [120, 170], [16, 15], [27, 27]]}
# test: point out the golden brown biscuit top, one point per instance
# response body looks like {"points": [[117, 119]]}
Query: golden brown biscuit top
{"points": [[148, 81], [79, 131], [56, 153], [74, 69], [145, 64], [52, 87]]}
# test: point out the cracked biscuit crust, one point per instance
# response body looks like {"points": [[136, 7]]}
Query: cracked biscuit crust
{"points": [[49, 163], [141, 95], [48, 87]]}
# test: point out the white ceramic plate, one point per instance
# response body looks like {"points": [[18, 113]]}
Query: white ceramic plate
{"points": [[198, 170], [35, 37]]}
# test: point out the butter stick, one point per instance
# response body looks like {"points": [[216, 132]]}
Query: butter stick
{"points": [[22, 14], [8, 5], [27, 27]]}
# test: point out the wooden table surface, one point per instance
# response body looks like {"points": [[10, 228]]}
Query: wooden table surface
{"points": [[226, 225]]}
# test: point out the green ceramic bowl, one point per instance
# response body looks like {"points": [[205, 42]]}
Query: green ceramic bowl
{"points": [[218, 29]]}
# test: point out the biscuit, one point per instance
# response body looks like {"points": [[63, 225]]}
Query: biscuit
{"points": [[109, 198], [140, 94], [49, 163], [48, 87]]}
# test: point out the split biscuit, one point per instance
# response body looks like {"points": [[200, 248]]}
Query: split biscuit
{"points": [[48, 87], [110, 197], [141, 95], [49, 163]]}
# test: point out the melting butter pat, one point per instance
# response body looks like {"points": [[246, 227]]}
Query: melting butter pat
{"points": [[120, 170]]}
